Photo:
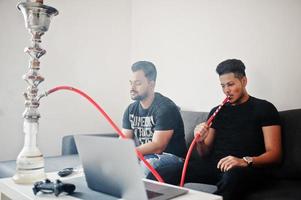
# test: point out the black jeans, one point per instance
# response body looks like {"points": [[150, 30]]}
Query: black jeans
{"points": [[232, 184]]}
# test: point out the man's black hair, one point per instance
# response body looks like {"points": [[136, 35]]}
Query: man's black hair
{"points": [[231, 66], [147, 67]]}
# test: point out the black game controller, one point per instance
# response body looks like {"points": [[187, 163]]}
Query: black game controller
{"points": [[57, 187]]}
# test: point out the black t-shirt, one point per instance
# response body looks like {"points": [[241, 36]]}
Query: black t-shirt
{"points": [[239, 128], [163, 114]]}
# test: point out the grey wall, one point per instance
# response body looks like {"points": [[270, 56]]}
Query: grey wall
{"points": [[91, 44]]}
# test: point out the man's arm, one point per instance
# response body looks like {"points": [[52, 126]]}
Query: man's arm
{"points": [[272, 155], [158, 144], [272, 142]]}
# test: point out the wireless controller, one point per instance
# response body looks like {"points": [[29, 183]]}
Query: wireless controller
{"points": [[57, 187]]}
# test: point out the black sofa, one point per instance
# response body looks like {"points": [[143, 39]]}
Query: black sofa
{"points": [[283, 183]]}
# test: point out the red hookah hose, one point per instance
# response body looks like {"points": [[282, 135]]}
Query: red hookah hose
{"points": [[209, 122], [153, 171]]}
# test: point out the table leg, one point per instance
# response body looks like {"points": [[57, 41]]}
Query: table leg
{"points": [[4, 197]]}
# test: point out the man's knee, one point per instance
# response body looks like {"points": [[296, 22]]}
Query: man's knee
{"points": [[168, 166], [233, 183], [233, 176]]}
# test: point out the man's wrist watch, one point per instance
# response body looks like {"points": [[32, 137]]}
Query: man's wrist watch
{"points": [[248, 160]]}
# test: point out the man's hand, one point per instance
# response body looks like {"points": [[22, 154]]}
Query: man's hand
{"points": [[202, 131], [230, 162]]}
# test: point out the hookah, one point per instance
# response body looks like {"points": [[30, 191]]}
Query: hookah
{"points": [[30, 161]]}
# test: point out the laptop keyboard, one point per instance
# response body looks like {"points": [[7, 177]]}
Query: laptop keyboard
{"points": [[158, 191], [152, 194]]}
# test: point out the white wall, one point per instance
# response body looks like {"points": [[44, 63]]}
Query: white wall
{"points": [[88, 47], [187, 39], [91, 44]]}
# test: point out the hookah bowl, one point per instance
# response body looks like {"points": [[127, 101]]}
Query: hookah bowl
{"points": [[30, 161]]}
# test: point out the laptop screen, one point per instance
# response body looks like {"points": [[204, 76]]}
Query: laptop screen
{"points": [[111, 167]]}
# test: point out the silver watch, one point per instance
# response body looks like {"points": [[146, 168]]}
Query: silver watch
{"points": [[248, 160]]}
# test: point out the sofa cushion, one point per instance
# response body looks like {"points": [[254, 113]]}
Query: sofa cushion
{"points": [[191, 119], [291, 139]]}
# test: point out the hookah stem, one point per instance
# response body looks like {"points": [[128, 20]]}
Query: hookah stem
{"points": [[209, 122], [139, 154]]}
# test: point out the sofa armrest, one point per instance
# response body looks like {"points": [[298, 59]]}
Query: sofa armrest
{"points": [[69, 146]]}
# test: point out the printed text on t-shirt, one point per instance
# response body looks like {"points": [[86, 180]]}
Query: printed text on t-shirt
{"points": [[143, 128]]}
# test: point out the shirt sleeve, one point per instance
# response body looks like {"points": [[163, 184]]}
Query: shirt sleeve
{"points": [[126, 124], [269, 115]]}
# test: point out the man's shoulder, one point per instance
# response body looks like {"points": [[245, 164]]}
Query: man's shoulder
{"points": [[133, 105], [261, 102], [213, 110], [161, 99], [164, 102], [263, 107], [266, 112]]}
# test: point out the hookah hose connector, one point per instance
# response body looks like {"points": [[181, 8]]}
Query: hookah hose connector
{"points": [[139, 154], [42, 95], [209, 122]]}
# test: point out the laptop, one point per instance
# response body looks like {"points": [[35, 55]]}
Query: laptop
{"points": [[111, 166]]}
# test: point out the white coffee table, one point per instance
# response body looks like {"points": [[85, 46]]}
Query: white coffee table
{"points": [[11, 191]]}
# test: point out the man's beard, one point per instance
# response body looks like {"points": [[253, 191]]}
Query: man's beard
{"points": [[239, 100], [139, 97]]}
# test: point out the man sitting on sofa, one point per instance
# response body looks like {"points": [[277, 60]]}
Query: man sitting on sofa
{"points": [[244, 138], [154, 122]]}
